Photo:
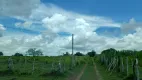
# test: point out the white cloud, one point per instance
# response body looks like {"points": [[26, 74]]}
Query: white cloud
{"points": [[131, 26], [16, 8], [2, 28], [91, 41], [9, 45], [56, 19], [18, 24], [50, 11], [25, 24]]}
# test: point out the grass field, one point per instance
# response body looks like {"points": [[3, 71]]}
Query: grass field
{"points": [[22, 69], [89, 73], [106, 75]]}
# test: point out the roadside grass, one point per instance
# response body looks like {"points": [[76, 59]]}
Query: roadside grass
{"points": [[106, 75], [72, 74], [140, 73], [36, 76]]}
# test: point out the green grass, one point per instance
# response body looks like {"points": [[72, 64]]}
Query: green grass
{"points": [[106, 75], [140, 70], [89, 73], [22, 71], [72, 74], [69, 74]]}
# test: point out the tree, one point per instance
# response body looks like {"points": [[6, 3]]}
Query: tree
{"points": [[39, 53], [66, 54], [31, 51], [112, 52], [79, 54], [34, 52], [1, 53], [18, 54], [109, 52], [92, 53]]}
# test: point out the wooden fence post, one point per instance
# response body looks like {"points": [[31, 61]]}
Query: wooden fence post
{"points": [[60, 66], [33, 66], [132, 62], [122, 65], [64, 67], [10, 64], [25, 62], [53, 67], [136, 70], [127, 66]]}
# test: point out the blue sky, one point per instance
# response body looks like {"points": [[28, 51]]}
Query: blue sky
{"points": [[118, 10], [48, 25], [10, 25]]}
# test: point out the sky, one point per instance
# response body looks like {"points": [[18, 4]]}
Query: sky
{"points": [[48, 25]]}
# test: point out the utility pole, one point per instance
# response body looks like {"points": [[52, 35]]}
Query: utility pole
{"points": [[72, 50], [72, 43]]}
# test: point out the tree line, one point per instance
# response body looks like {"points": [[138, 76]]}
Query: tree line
{"points": [[38, 52], [113, 52], [91, 54], [30, 52], [108, 52]]}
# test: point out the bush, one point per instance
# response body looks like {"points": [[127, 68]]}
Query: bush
{"points": [[79, 54], [6, 72], [18, 54], [1, 53], [92, 53]]}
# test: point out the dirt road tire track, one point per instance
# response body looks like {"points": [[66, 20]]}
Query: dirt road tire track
{"points": [[77, 77]]}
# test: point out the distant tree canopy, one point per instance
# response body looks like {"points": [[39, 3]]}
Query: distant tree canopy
{"points": [[79, 54], [18, 54], [34, 52], [92, 53], [109, 52], [66, 54], [1, 53], [112, 52]]}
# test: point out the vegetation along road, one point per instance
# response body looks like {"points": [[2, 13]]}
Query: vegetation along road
{"points": [[109, 65]]}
